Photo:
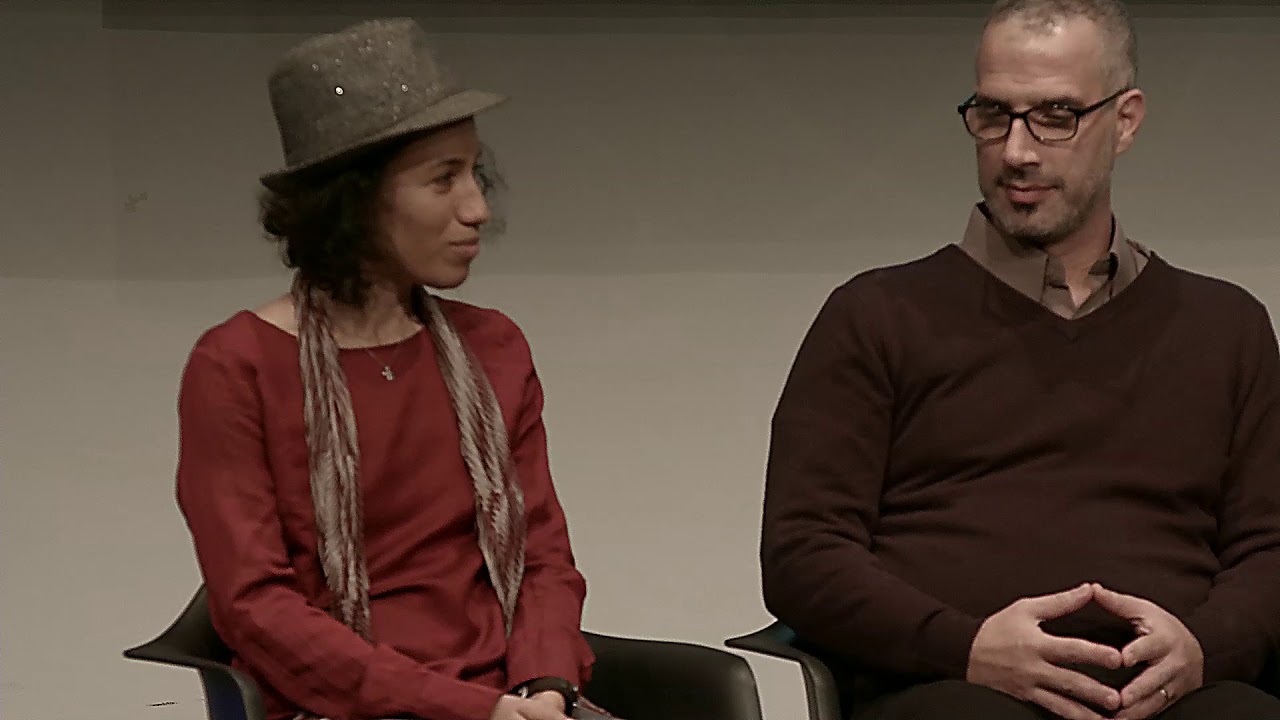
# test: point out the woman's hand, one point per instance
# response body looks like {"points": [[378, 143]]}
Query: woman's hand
{"points": [[552, 699], [510, 707]]}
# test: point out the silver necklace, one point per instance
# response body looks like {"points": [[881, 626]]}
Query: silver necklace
{"points": [[387, 372]]}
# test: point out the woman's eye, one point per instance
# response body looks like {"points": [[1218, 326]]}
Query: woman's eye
{"points": [[481, 174]]}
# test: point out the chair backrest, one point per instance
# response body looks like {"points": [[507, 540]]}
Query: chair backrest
{"points": [[637, 678], [190, 635], [825, 697], [632, 678], [192, 642]]}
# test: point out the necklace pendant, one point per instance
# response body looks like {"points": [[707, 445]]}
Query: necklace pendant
{"points": [[386, 373]]}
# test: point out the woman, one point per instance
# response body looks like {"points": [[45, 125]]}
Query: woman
{"points": [[363, 465]]}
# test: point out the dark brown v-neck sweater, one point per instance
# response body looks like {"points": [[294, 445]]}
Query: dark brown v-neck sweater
{"points": [[945, 445]]}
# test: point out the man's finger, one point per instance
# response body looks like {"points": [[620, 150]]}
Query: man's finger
{"points": [[1143, 710], [1119, 604], [1148, 684], [1062, 707], [1148, 706], [1078, 686], [1147, 648], [1048, 607], [1068, 651]]}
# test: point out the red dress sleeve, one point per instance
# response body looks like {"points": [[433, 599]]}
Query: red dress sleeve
{"points": [[546, 637], [226, 493]]}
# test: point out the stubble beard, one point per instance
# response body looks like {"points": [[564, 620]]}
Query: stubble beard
{"points": [[1048, 222]]}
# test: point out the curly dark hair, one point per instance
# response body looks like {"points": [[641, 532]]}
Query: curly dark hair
{"points": [[324, 223]]}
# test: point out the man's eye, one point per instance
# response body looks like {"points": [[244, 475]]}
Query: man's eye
{"points": [[1054, 116], [991, 113]]}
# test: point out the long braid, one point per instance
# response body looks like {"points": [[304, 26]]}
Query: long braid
{"points": [[334, 461], [486, 450]]}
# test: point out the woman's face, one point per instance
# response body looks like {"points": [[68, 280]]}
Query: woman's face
{"points": [[430, 207]]}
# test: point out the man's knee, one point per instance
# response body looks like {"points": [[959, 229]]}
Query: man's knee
{"points": [[947, 700], [1225, 701]]}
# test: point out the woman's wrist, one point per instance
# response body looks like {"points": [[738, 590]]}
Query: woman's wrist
{"points": [[545, 686]]}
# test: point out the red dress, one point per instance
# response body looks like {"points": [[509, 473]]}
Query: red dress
{"points": [[439, 650]]}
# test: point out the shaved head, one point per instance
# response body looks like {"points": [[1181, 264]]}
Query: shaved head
{"points": [[1120, 46]]}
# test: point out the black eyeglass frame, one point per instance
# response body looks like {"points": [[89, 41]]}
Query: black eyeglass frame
{"points": [[1025, 116]]}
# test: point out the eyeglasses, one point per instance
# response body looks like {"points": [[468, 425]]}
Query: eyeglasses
{"points": [[1047, 122]]}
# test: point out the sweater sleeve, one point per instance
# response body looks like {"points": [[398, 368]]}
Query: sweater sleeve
{"points": [[1238, 625], [827, 459], [227, 495], [546, 637]]}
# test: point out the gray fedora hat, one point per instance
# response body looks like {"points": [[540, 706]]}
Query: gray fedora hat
{"points": [[337, 95]]}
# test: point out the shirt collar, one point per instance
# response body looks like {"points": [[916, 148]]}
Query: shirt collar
{"points": [[1027, 268]]}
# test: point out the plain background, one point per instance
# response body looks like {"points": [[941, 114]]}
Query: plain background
{"points": [[687, 185]]}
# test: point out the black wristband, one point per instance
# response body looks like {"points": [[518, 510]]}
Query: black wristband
{"points": [[566, 689]]}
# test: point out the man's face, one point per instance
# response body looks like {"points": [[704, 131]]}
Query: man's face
{"points": [[1043, 192]]}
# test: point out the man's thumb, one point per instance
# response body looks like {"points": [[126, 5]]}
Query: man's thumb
{"points": [[1048, 607]]}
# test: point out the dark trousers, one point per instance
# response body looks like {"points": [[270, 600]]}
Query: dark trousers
{"points": [[958, 700]]}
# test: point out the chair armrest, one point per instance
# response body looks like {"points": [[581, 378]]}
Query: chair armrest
{"points": [[661, 680], [778, 640], [229, 693]]}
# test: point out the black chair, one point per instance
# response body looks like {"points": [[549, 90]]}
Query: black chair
{"points": [[829, 699], [634, 679], [822, 694]]}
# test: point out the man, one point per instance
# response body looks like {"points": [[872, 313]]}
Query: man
{"points": [[1037, 473]]}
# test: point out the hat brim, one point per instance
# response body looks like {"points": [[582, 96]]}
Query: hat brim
{"points": [[459, 106]]}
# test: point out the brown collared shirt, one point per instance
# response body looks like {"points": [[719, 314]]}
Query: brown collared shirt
{"points": [[1041, 276]]}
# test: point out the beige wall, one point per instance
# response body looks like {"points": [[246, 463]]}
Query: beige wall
{"points": [[685, 191]]}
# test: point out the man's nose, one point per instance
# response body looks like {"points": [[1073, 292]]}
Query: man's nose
{"points": [[1020, 146]]}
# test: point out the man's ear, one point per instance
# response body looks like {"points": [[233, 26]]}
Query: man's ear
{"points": [[1131, 110]]}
